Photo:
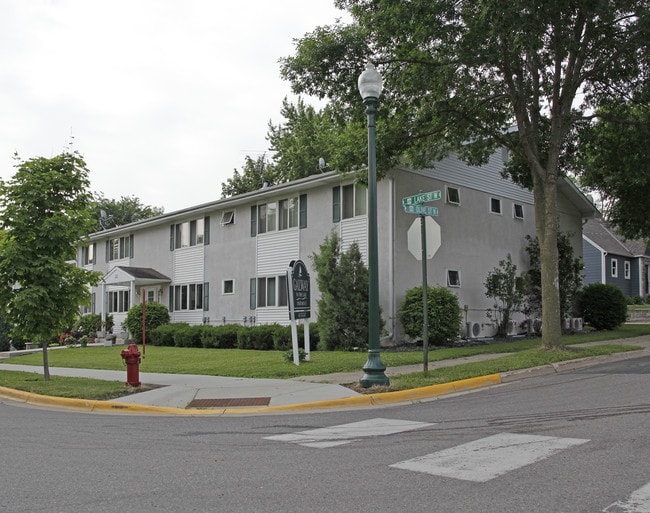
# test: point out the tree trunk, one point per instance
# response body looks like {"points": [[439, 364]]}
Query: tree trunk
{"points": [[547, 221], [46, 365]]}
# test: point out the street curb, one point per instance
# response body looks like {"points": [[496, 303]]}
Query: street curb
{"points": [[567, 365], [366, 400], [412, 395]]}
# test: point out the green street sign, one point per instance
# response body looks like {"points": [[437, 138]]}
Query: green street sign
{"points": [[421, 209], [422, 197]]}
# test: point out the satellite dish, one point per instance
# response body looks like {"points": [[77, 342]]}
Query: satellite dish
{"points": [[322, 164], [102, 214]]}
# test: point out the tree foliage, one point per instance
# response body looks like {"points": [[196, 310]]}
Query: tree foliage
{"points": [[155, 315], [44, 211], [443, 312], [254, 175], [615, 162], [459, 74], [603, 306], [502, 285], [342, 280], [570, 277], [108, 213], [307, 141]]}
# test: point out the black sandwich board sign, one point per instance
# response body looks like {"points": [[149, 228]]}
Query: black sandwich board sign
{"points": [[299, 290]]}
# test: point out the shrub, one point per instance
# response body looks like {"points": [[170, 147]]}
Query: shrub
{"points": [[5, 339], [282, 337], [156, 315], [221, 337], [256, 337], [602, 306], [162, 335], [245, 337], [444, 315], [92, 323], [182, 335]]}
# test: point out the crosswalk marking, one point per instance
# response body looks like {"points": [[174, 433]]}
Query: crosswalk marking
{"points": [[637, 502], [346, 433], [487, 458]]}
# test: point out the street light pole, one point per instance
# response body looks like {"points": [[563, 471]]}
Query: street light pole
{"points": [[370, 86]]}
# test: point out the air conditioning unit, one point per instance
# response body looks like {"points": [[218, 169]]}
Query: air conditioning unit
{"points": [[511, 328], [480, 330], [534, 325], [576, 324], [567, 324]]}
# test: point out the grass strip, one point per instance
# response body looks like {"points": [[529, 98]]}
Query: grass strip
{"points": [[60, 386], [522, 360]]}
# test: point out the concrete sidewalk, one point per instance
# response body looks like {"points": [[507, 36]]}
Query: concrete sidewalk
{"points": [[199, 395]]}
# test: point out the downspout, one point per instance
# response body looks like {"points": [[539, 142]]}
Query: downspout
{"points": [[603, 268]]}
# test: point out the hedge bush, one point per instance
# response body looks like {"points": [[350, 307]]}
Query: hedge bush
{"points": [[230, 336], [220, 337], [92, 323], [162, 335], [156, 315], [443, 312], [603, 307]]}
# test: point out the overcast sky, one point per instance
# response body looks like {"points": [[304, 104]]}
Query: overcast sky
{"points": [[163, 98]]}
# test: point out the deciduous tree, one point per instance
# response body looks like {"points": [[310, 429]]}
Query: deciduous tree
{"points": [[460, 74], [44, 211], [108, 213]]}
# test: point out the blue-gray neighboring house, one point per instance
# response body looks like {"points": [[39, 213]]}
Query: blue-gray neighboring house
{"points": [[612, 259]]}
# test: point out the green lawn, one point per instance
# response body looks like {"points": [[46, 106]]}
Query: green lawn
{"points": [[272, 364]]}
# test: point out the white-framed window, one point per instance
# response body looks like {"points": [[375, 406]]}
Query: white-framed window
{"points": [[118, 301], [627, 270], [268, 291], [349, 201], [453, 195], [495, 205], [195, 232], [119, 248], [288, 213], [88, 254], [284, 214], [518, 211], [453, 278], [228, 217], [228, 287], [614, 267], [190, 296]]}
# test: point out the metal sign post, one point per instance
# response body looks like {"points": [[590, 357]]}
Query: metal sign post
{"points": [[413, 205]]}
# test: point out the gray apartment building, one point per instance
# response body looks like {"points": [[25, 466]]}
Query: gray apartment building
{"points": [[225, 261]]}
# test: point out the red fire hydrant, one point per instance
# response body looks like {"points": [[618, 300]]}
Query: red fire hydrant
{"points": [[131, 357]]}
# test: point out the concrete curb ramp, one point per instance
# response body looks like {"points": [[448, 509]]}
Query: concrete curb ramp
{"points": [[369, 400]]}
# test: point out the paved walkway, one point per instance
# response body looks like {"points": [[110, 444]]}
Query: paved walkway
{"points": [[194, 394]]}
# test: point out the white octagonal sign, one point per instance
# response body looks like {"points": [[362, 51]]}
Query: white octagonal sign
{"points": [[414, 237]]}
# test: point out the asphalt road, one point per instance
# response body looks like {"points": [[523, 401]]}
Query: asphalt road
{"points": [[572, 442]]}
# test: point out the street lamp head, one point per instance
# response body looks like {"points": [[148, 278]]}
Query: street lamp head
{"points": [[370, 82]]}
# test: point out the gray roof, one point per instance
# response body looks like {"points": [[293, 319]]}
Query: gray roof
{"points": [[606, 238], [144, 273]]}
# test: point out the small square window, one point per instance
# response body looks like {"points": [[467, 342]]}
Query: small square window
{"points": [[453, 196], [518, 211], [453, 278], [228, 217], [228, 286], [495, 205]]}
